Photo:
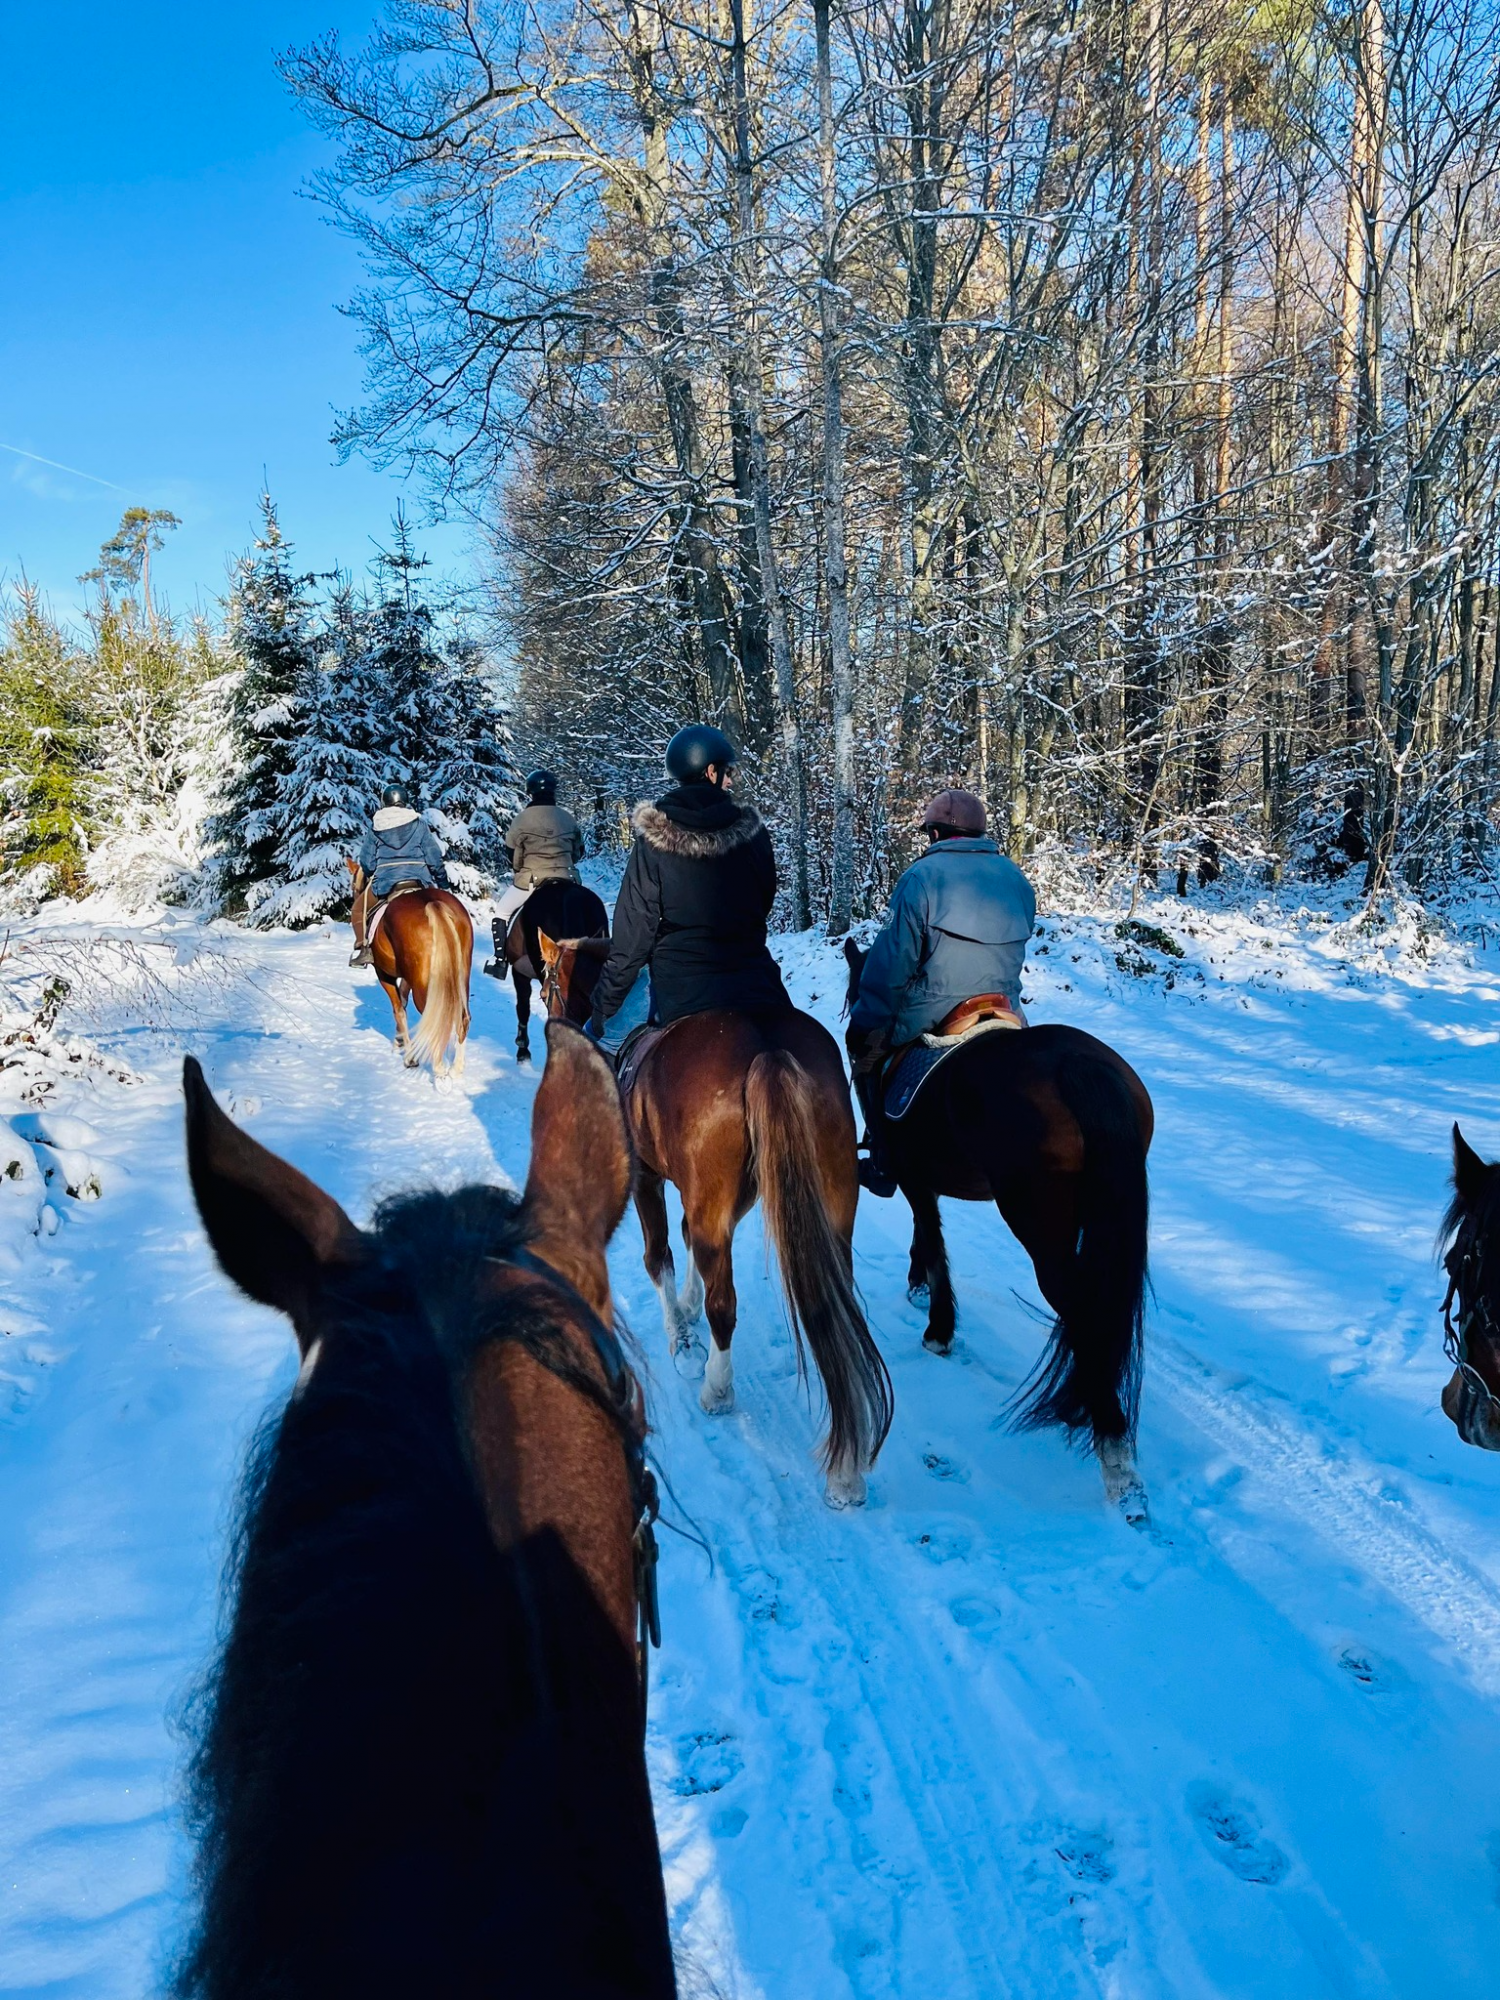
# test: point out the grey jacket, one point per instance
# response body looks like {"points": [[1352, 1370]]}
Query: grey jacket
{"points": [[957, 926], [401, 847], [544, 844]]}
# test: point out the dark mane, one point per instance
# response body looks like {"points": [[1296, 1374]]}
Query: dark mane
{"points": [[379, 1744], [1472, 1222]]}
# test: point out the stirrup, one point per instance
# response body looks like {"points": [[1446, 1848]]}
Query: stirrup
{"points": [[876, 1178]]}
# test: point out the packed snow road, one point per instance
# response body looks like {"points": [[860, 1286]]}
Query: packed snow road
{"points": [[981, 1738]]}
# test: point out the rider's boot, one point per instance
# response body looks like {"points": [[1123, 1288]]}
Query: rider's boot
{"points": [[360, 914], [495, 966], [875, 1175]]}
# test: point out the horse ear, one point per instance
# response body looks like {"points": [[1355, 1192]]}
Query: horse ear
{"points": [[549, 951], [854, 958], [581, 1163], [1470, 1173], [273, 1230], [351, 864]]}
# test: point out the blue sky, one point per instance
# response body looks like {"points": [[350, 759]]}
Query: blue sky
{"points": [[169, 321]]}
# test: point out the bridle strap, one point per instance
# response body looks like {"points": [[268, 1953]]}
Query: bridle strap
{"points": [[1456, 1338], [625, 1407]]}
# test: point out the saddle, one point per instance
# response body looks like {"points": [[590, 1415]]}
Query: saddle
{"points": [[634, 1050], [396, 889], [909, 1067]]}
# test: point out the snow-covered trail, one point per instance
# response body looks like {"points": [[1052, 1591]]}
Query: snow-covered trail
{"points": [[982, 1738]]}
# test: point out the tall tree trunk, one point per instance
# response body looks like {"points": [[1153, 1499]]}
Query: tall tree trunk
{"points": [[835, 570], [747, 278]]}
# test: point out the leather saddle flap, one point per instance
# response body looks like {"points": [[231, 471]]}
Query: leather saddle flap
{"points": [[910, 1067]]}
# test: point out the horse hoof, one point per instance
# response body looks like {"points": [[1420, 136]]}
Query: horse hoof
{"points": [[689, 1357], [523, 1055], [843, 1490], [916, 1295], [715, 1402], [1123, 1487], [943, 1347]]}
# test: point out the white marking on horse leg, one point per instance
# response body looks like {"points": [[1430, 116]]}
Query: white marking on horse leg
{"points": [[845, 1487], [1123, 1487], [684, 1346], [716, 1397], [305, 1372], [690, 1300]]}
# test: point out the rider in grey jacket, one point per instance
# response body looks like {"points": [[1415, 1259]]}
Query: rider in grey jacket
{"points": [[957, 927], [399, 846]]}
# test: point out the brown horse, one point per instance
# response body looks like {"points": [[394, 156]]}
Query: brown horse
{"points": [[1053, 1127], [421, 1764], [561, 910], [1471, 1311], [423, 951], [730, 1107]]}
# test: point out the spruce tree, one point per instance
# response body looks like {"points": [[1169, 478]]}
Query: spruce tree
{"points": [[270, 634], [46, 750], [470, 790], [336, 775]]}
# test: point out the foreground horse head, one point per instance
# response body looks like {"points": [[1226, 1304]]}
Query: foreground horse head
{"points": [[420, 1763], [1471, 1310]]}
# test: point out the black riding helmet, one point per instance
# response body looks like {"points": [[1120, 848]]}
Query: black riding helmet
{"points": [[395, 795], [694, 748], [541, 788]]}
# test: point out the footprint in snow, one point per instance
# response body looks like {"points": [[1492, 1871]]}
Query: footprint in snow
{"points": [[708, 1760], [1086, 1856], [1233, 1834], [977, 1615], [941, 1545], [944, 1468]]}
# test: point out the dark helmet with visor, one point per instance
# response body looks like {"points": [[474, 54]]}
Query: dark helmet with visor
{"points": [[541, 788], [694, 748], [395, 795]]}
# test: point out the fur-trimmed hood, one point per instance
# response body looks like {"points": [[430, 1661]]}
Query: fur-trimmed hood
{"points": [[694, 843], [388, 818]]}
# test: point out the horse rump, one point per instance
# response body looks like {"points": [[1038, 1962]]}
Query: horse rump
{"points": [[1089, 1375], [817, 1274], [445, 1018]]}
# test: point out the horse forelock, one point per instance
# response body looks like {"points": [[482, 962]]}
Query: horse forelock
{"points": [[1471, 1224], [380, 1646]]}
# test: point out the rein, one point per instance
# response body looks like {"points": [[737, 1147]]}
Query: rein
{"points": [[621, 1401], [1478, 1316]]}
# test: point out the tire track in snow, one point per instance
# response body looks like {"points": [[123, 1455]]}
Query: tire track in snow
{"points": [[1341, 1500]]}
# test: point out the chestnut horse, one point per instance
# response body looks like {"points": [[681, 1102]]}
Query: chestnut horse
{"points": [[732, 1107], [1471, 1310], [1053, 1127], [423, 951], [560, 910], [420, 1766]]}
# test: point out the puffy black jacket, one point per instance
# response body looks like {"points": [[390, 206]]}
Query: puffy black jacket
{"points": [[696, 893]]}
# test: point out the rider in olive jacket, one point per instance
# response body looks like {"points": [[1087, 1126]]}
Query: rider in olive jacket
{"points": [[696, 893]]}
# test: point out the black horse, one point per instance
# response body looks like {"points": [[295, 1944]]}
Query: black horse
{"points": [[1471, 1311], [420, 1765], [558, 910], [1053, 1127]]}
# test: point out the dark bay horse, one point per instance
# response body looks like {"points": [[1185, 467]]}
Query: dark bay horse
{"points": [[1053, 1127], [732, 1107], [423, 951], [420, 1764], [554, 910], [1471, 1311]]}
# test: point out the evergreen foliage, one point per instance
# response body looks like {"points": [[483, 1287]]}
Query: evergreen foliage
{"points": [[44, 754]]}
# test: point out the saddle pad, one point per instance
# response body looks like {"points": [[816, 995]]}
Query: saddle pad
{"points": [[633, 1051], [922, 1057], [400, 889]]}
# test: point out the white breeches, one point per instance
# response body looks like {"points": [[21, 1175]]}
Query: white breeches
{"points": [[511, 899]]}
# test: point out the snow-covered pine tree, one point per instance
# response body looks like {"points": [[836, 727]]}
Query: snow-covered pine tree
{"points": [[338, 765], [271, 636], [470, 792], [45, 751]]}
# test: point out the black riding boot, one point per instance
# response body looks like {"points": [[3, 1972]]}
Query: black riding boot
{"points": [[875, 1174], [495, 966]]}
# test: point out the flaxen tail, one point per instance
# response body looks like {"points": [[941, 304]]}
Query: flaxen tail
{"points": [[445, 1018], [817, 1276], [1089, 1377]]}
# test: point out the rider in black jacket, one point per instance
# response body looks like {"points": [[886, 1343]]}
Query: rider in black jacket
{"points": [[696, 893]]}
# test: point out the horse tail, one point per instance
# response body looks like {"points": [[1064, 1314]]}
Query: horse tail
{"points": [[1089, 1375], [817, 1273], [445, 1018]]}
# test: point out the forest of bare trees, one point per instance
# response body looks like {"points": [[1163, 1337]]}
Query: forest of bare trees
{"points": [[1092, 403]]}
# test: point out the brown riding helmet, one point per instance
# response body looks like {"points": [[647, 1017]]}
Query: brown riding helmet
{"points": [[959, 810]]}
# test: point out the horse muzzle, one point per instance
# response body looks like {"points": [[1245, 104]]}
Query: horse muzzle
{"points": [[1472, 1411]]}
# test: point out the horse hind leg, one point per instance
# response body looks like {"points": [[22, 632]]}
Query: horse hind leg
{"points": [[929, 1253], [523, 1014], [715, 1261], [690, 1298]]}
